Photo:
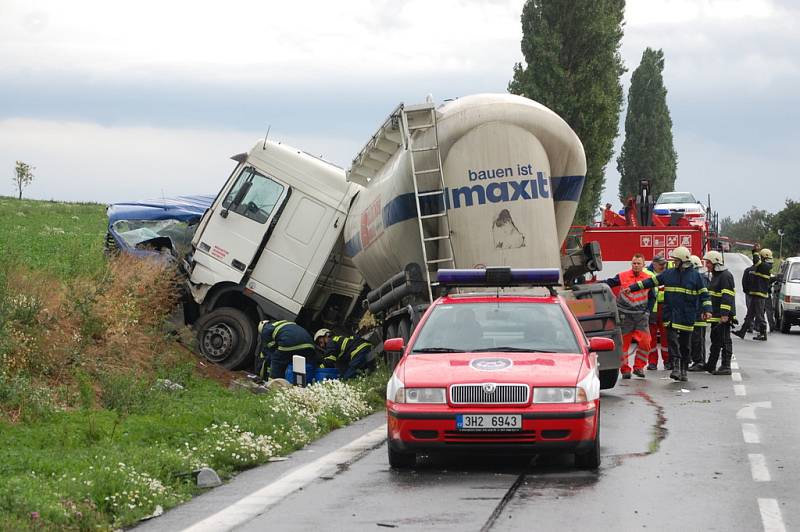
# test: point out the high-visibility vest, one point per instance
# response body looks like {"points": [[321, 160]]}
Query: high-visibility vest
{"points": [[634, 298]]}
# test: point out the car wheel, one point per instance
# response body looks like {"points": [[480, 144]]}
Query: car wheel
{"points": [[226, 337], [608, 378], [590, 459], [398, 460], [784, 324]]}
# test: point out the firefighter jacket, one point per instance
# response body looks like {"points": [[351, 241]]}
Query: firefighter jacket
{"points": [[342, 349], [635, 302], [699, 321], [684, 295], [722, 290], [746, 279], [760, 279], [287, 338]]}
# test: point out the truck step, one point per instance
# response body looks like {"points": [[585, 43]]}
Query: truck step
{"points": [[430, 193], [421, 126], [425, 172], [427, 148], [434, 238], [437, 215], [439, 261]]}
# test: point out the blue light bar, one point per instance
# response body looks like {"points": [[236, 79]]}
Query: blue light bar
{"points": [[661, 212], [499, 277]]}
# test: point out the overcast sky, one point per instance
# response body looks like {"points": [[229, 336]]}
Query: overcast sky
{"points": [[115, 101]]}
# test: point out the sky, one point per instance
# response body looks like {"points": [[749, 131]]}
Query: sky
{"points": [[115, 101]]}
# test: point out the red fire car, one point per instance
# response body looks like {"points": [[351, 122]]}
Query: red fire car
{"points": [[490, 372]]}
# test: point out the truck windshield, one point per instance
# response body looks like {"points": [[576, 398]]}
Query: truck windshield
{"points": [[501, 326], [261, 197]]}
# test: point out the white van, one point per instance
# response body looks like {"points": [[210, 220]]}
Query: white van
{"points": [[787, 295]]}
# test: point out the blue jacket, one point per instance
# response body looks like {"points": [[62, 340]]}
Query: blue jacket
{"points": [[286, 338], [685, 294]]}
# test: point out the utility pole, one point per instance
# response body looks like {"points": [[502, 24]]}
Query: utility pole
{"points": [[780, 250]]}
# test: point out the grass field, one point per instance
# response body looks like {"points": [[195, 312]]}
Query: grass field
{"points": [[91, 437]]}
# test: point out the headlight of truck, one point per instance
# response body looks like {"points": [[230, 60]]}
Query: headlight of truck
{"points": [[420, 395], [556, 395]]}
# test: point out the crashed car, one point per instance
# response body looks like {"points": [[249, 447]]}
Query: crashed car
{"points": [[155, 227], [492, 372]]}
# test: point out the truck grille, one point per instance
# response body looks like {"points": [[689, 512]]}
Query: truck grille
{"points": [[489, 394]]}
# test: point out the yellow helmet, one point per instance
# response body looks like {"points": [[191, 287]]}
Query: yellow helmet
{"points": [[696, 262], [714, 257], [681, 254], [766, 254]]}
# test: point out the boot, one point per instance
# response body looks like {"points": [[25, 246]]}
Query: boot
{"points": [[684, 368], [725, 366], [675, 374], [697, 366], [740, 333]]}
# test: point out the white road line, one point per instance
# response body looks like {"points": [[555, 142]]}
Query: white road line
{"points": [[758, 468], [771, 515], [749, 411], [738, 389], [750, 433], [734, 365], [256, 503], [736, 377]]}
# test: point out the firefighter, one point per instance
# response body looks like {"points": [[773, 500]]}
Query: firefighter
{"points": [[684, 293], [760, 279], [747, 279], [280, 341], [348, 354], [658, 332], [634, 309], [722, 290], [700, 325]]}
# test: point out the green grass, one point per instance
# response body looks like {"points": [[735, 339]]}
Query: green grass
{"points": [[95, 447], [65, 239]]}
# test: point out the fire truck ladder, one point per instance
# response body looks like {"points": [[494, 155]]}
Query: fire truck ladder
{"points": [[415, 118]]}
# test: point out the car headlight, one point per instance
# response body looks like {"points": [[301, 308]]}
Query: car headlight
{"points": [[420, 395], [558, 395]]}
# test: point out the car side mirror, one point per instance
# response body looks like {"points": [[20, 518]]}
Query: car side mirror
{"points": [[779, 278], [394, 345], [598, 344]]}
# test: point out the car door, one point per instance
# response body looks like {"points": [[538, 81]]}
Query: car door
{"points": [[236, 229]]}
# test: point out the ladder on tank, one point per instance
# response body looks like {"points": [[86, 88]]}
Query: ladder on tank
{"points": [[420, 118]]}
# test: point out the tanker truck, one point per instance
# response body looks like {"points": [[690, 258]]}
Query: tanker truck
{"points": [[484, 180]]}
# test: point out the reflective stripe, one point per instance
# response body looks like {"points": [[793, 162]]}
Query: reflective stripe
{"points": [[707, 303], [729, 292], [759, 294], [359, 349], [715, 294], [713, 320], [700, 324], [682, 327], [278, 326], [725, 307], [297, 347], [686, 291], [763, 276]]}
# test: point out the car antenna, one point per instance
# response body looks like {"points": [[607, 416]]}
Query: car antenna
{"points": [[264, 147]]}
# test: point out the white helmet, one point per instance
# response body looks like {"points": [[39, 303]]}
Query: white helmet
{"points": [[320, 333], [766, 254], [714, 257], [681, 254], [696, 262], [261, 325]]}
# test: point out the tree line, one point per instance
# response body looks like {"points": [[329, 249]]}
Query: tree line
{"points": [[759, 225]]}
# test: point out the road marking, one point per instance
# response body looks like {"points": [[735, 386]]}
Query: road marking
{"points": [[736, 377], [771, 515], [256, 503], [750, 433], [758, 468], [749, 411], [734, 365], [738, 389]]}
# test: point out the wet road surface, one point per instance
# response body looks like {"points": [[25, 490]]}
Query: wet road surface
{"points": [[716, 453]]}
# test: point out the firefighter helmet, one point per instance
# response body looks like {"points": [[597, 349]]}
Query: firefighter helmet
{"points": [[766, 254], [261, 325], [320, 333], [696, 262], [714, 257], [681, 254]]}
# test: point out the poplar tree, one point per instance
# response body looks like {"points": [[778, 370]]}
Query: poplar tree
{"points": [[648, 152], [573, 66]]}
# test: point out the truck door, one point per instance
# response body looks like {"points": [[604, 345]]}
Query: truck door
{"points": [[237, 227]]}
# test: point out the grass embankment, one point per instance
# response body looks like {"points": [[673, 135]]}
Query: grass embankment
{"points": [[90, 437]]}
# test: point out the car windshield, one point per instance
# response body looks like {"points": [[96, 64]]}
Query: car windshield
{"points": [[794, 273], [676, 197], [500, 326]]}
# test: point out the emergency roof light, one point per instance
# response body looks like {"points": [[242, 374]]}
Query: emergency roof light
{"points": [[499, 277]]}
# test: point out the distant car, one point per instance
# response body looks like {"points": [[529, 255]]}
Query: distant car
{"points": [[683, 202], [786, 295], [489, 372]]}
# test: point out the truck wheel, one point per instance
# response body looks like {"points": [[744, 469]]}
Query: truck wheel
{"points": [[608, 378], [398, 460], [226, 337], [391, 359]]}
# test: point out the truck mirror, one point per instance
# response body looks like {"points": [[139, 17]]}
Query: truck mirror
{"points": [[393, 345], [598, 344], [593, 256]]}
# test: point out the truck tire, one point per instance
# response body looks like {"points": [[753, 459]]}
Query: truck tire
{"points": [[391, 359], [227, 337], [404, 330], [608, 378]]}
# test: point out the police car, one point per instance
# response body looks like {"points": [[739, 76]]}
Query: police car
{"points": [[496, 372]]}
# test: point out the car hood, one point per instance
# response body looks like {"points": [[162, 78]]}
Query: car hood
{"points": [[443, 369]]}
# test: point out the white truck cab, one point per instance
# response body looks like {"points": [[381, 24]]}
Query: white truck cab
{"points": [[271, 246]]}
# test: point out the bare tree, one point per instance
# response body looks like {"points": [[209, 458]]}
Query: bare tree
{"points": [[24, 176]]}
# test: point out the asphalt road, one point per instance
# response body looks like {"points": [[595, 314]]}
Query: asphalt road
{"points": [[716, 453]]}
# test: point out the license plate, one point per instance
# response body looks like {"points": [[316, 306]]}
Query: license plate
{"points": [[488, 422]]}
